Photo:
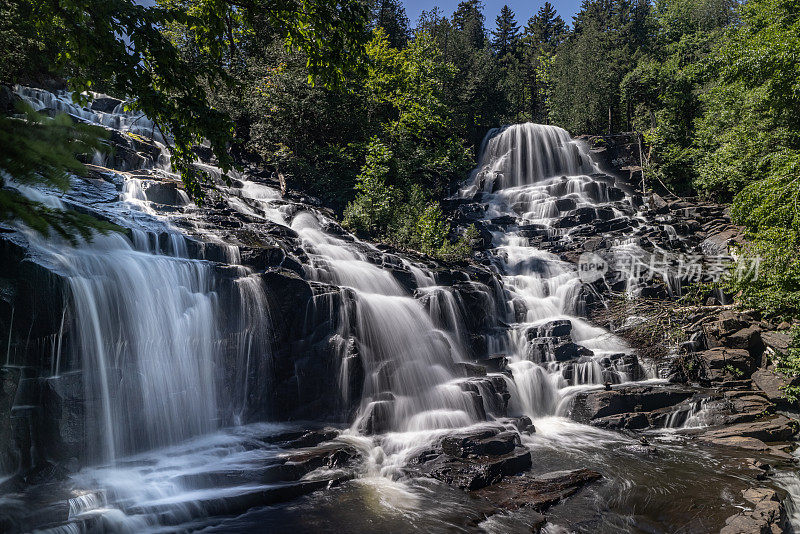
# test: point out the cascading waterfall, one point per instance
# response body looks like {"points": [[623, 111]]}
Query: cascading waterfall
{"points": [[173, 350], [146, 328], [408, 361], [533, 174], [146, 319], [522, 154]]}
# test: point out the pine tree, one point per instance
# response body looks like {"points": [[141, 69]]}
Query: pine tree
{"points": [[544, 32], [468, 19], [391, 16], [506, 36], [546, 29]]}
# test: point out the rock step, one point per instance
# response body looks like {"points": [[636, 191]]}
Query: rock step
{"points": [[237, 500]]}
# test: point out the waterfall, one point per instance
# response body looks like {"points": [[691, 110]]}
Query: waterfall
{"points": [[409, 362], [534, 174], [174, 346], [522, 154], [147, 329]]}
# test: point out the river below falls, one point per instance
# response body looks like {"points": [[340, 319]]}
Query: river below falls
{"points": [[681, 487]]}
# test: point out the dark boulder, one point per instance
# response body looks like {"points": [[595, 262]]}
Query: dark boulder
{"points": [[538, 492], [105, 104], [625, 406], [476, 472], [377, 418]]}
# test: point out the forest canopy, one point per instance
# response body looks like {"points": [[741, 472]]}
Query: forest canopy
{"points": [[381, 117]]}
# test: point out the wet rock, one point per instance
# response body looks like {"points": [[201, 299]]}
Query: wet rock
{"points": [[405, 278], [263, 257], [476, 472], [770, 429], [522, 424], [625, 407], [565, 204], [538, 492], [105, 104], [766, 514], [477, 304], [330, 455], [310, 438], [471, 369], [559, 328], [474, 458], [478, 443], [495, 363], [64, 416], [556, 348], [567, 222], [377, 418], [9, 380], [504, 220]]}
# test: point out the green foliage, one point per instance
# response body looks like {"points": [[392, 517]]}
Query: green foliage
{"points": [[408, 219], [414, 153], [390, 15], [788, 363], [750, 137], [36, 150], [119, 45], [164, 59], [768, 208], [543, 34], [373, 209]]}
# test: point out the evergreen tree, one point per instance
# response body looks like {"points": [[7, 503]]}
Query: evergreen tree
{"points": [[608, 38], [543, 34], [546, 29], [506, 35], [468, 19], [391, 16]]}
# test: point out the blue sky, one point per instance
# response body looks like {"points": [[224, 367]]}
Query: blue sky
{"points": [[523, 10]]}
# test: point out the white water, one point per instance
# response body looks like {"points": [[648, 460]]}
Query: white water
{"points": [[145, 320], [527, 171]]}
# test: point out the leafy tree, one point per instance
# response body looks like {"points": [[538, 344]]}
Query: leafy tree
{"points": [[750, 142], [372, 211], [415, 154], [124, 48]]}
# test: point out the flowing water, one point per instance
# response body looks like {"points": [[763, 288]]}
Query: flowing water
{"points": [[172, 448]]}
